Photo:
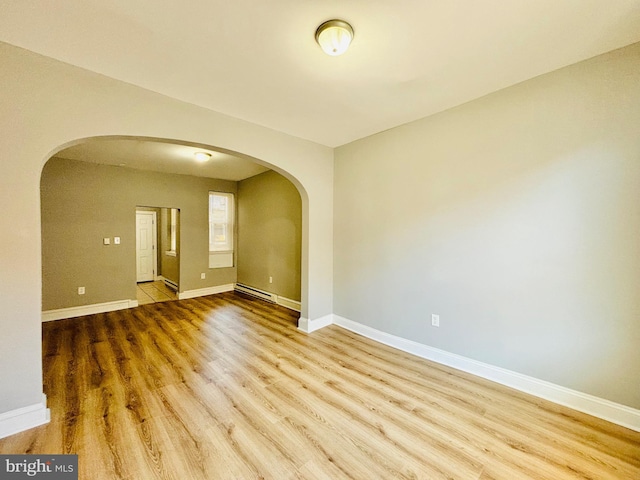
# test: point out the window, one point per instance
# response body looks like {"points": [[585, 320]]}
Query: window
{"points": [[173, 231], [220, 230]]}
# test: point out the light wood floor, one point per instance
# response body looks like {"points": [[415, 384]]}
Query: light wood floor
{"points": [[152, 292], [225, 387]]}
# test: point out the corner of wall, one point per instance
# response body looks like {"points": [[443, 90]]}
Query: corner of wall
{"points": [[21, 419], [307, 325]]}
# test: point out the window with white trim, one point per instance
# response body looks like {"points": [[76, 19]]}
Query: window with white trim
{"points": [[221, 207]]}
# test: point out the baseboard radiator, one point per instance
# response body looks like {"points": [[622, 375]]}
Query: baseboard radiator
{"points": [[269, 297], [171, 284]]}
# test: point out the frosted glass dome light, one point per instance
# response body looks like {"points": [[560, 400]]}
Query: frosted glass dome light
{"points": [[334, 37], [202, 156]]}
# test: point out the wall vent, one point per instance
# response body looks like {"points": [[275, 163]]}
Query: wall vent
{"points": [[269, 297]]}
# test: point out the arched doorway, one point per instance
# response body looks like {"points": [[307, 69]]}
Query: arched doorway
{"points": [[50, 106], [90, 191]]}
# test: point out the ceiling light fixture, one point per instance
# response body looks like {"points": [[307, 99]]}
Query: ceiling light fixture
{"points": [[202, 156], [334, 37]]}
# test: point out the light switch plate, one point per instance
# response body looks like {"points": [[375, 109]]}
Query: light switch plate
{"points": [[106, 241], [116, 240]]}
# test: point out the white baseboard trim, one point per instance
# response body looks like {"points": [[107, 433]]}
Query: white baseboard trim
{"points": [[307, 326], [201, 292], [598, 407], [21, 419], [288, 303], [71, 312]]}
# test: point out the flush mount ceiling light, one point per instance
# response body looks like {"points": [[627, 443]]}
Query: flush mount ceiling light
{"points": [[202, 156], [334, 37]]}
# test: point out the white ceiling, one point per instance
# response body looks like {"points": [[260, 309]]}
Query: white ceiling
{"points": [[162, 157], [257, 59]]}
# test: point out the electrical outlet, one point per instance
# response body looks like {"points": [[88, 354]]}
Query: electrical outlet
{"points": [[106, 241], [435, 320], [116, 240], [80, 290], [203, 276]]}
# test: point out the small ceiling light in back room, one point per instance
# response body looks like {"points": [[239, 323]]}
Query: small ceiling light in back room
{"points": [[334, 37], [202, 156]]}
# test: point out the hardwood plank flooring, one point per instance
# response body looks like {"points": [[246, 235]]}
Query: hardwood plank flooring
{"points": [[225, 387]]}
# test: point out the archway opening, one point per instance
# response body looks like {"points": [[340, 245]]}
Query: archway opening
{"points": [[91, 188]]}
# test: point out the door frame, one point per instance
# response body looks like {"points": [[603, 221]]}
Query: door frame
{"points": [[146, 211]]}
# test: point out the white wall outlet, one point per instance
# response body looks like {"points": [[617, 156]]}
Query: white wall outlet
{"points": [[435, 320], [106, 241], [270, 279], [116, 240], [80, 290], [203, 276]]}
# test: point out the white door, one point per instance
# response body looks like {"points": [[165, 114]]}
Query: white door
{"points": [[145, 246]]}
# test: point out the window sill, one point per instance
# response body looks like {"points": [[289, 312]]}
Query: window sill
{"points": [[220, 259]]}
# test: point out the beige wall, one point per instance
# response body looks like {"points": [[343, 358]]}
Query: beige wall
{"points": [[516, 218], [46, 105], [269, 234], [84, 202]]}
